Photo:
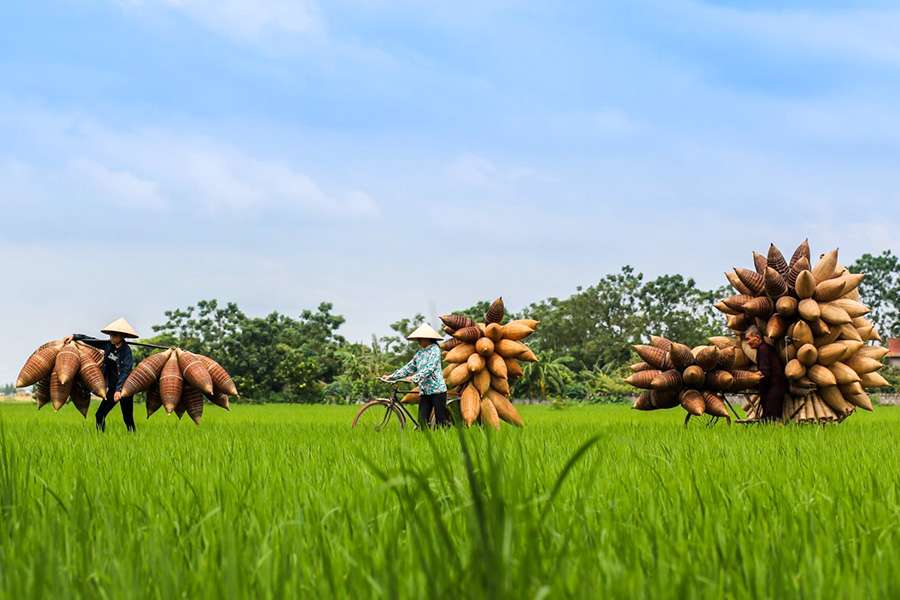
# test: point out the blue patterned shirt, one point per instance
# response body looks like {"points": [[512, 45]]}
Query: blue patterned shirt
{"points": [[426, 370]]}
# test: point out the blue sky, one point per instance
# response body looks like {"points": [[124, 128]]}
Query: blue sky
{"points": [[401, 157]]}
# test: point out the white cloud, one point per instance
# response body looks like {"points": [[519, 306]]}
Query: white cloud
{"points": [[120, 186], [247, 20], [479, 171], [867, 34], [472, 169], [598, 123], [161, 169]]}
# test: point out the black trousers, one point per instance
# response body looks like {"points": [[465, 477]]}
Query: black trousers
{"points": [[107, 405], [436, 402], [771, 400]]}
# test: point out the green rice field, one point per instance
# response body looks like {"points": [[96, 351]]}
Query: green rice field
{"points": [[585, 502]]}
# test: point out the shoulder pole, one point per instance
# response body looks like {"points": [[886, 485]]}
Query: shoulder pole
{"points": [[130, 343]]}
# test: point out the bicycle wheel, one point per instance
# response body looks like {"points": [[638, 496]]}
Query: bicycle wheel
{"points": [[376, 415]]}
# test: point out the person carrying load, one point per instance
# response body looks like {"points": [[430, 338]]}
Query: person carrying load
{"points": [[774, 384], [117, 364], [425, 370]]}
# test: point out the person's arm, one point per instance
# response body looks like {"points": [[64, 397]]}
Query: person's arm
{"points": [[404, 371], [126, 363], [431, 362]]}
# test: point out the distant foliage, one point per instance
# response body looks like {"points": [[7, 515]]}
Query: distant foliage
{"points": [[605, 387], [597, 325], [584, 340], [549, 377], [892, 374], [287, 359], [275, 357], [880, 289]]}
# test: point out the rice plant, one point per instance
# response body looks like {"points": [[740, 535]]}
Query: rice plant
{"points": [[592, 501]]}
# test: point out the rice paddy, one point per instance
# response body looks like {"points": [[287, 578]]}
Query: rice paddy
{"points": [[587, 501]]}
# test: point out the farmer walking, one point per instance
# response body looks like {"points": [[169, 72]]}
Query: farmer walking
{"points": [[774, 384], [425, 371], [117, 364]]}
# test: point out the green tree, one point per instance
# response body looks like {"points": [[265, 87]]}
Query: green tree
{"points": [[271, 357], [254, 357], [674, 307], [206, 328], [880, 290], [397, 344], [604, 387], [548, 376], [297, 375], [361, 366], [594, 325], [892, 374], [597, 325], [315, 334]]}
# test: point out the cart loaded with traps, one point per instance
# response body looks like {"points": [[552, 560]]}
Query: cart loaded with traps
{"points": [[672, 374]]}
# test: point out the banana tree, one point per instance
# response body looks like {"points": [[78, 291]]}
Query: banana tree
{"points": [[549, 376]]}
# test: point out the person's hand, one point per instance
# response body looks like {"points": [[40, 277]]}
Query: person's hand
{"points": [[408, 379], [385, 378], [117, 396], [68, 339]]}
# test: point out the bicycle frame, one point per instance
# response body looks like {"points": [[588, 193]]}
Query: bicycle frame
{"points": [[395, 407], [396, 394]]}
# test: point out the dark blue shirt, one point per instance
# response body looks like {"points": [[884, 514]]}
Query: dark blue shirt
{"points": [[117, 362]]}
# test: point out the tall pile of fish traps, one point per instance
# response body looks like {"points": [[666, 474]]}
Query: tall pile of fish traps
{"points": [[813, 315]]}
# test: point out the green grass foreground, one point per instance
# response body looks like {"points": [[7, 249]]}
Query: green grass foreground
{"points": [[288, 501]]}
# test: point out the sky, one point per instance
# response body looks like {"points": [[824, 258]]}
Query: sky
{"points": [[395, 157]]}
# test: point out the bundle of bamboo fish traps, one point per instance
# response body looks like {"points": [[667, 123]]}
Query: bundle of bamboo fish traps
{"points": [[813, 315], [673, 374], [482, 359], [60, 372], [178, 381]]}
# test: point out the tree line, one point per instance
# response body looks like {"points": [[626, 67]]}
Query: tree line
{"points": [[584, 340]]}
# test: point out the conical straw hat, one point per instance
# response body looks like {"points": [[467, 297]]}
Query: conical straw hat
{"points": [[425, 332], [122, 327]]}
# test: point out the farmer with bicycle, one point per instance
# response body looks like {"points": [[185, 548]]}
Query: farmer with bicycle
{"points": [[425, 370]]}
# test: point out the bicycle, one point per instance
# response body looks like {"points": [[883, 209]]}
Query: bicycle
{"points": [[377, 413]]}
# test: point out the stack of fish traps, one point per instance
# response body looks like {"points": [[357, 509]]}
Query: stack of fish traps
{"points": [[178, 381], [813, 316], [60, 372], [672, 374], [482, 359]]}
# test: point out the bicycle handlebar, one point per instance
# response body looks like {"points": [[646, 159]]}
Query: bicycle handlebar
{"points": [[398, 385]]}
